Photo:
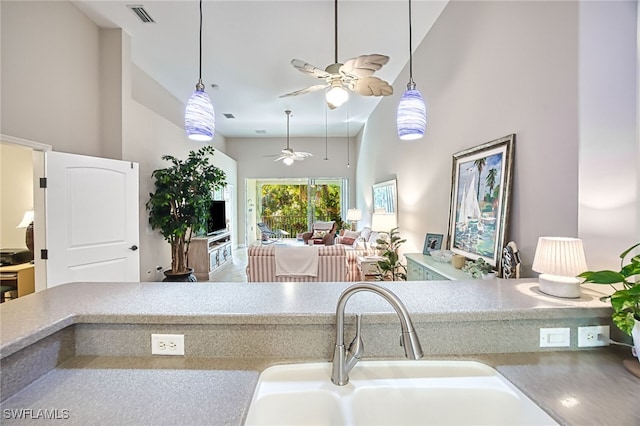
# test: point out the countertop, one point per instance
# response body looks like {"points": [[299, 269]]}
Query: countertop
{"points": [[575, 388]]}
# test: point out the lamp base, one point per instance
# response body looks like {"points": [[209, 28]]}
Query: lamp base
{"points": [[567, 287]]}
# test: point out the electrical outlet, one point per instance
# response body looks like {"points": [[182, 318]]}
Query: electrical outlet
{"points": [[167, 344], [597, 335]]}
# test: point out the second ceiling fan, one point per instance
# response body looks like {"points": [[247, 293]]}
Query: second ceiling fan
{"points": [[288, 155], [356, 74]]}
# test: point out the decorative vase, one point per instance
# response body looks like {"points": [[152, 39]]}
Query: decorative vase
{"points": [[179, 277]]}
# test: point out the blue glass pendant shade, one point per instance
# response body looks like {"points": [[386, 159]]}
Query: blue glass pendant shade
{"points": [[199, 118], [412, 115]]}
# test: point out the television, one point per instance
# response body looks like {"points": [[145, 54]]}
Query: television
{"points": [[217, 220]]}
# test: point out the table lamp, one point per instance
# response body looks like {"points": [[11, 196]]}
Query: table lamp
{"points": [[27, 222], [383, 222], [353, 215], [559, 260]]}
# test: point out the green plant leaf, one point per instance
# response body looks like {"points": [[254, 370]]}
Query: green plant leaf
{"points": [[602, 277]]}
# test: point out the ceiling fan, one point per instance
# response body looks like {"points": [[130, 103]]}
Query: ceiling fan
{"points": [[356, 74], [288, 155]]}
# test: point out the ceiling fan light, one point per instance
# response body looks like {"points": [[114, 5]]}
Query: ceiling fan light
{"points": [[337, 95], [288, 161], [412, 116], [199, 118]]}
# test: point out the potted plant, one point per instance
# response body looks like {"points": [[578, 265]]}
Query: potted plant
{"points": [[390, 268], [479, 269], [180, 204], [625, 300]]}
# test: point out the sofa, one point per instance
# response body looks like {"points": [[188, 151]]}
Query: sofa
{"points": [[332, 265], [356, 244]]}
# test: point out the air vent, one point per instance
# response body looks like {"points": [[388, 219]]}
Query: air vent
{"points": [[142, 14], [261, 132], [228, 115]]}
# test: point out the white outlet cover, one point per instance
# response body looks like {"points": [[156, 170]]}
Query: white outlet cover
{"points": [[167, 344], [593, 336], [555, 337]]}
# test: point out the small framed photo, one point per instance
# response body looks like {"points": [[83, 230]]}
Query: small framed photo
{"points": [[432, 242]]}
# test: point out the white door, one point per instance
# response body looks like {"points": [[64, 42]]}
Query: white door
{"points": [[91, 219]]}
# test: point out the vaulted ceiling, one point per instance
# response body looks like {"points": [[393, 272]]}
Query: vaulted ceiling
{"points": [[247, 48]]}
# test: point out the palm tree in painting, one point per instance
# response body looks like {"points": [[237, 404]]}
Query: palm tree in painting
{"points": [[479, 164], [490, 180]]}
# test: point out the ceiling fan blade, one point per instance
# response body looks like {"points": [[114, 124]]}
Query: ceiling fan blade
{"points": [[305, 90], [371, 86], [307, 68], [282, 157], [363, 65]]}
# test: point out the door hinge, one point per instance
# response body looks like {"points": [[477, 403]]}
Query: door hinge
{"points": [[44, 254], [43, 182]]}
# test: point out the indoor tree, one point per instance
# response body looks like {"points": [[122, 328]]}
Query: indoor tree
{"points": [[180, 204]]}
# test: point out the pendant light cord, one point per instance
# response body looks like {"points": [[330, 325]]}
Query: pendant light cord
{"points": [[411, 84], [335, 12], [200, 86]]}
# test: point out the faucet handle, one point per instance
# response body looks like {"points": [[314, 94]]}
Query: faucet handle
{"points": [[356, 348]]}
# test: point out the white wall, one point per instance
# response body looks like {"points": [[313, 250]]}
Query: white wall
{"points": [[609, 147], [487, 69], [50, 75], [254, 164]]}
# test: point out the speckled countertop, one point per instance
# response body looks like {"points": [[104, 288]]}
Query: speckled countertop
{"points": [[33, 317], [575, 387]]}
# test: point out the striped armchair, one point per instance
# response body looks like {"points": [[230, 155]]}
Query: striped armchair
{"points": [[332, 265]]}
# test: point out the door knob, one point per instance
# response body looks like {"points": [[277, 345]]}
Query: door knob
{"points": [[133, 247]]}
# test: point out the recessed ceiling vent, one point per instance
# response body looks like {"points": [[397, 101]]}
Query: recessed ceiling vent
{"points": [[142, 14], [229, 115]]}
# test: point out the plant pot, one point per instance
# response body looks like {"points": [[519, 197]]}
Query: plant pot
{"points": [[635, 333], [633, 365], [179, 277]]}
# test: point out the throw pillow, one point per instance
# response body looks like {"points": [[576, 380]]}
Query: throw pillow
{"points": [[352, 235], [319, 234], [347, 241], [365, 233]]}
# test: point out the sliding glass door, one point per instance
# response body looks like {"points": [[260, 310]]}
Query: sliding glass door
{"points": [[294, 204]]}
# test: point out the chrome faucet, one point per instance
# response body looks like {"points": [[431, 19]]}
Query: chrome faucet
{"points": [[345, 359]]}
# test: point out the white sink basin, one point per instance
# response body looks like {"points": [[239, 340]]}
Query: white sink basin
{"points": [[392, 393]]}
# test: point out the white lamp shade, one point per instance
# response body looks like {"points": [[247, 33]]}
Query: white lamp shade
{"points": [[337, 95], [412, 116], [26, 219], [354, 214], [199, 119], [559, 256], [383, 222]]}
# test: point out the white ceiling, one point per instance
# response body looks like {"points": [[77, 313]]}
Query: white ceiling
{"points": [[247, 47]]}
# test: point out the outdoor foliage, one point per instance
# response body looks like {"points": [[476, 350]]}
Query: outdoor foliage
{"points": [[287, 206]]}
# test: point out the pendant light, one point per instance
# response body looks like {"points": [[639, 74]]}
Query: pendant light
{"points": [[412, 111], [199, 118]]}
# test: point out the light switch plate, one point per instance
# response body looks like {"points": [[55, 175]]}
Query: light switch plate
{"points": [[555, 337]]}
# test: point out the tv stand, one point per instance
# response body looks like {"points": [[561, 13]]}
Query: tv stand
{"points": [[207, 254]]}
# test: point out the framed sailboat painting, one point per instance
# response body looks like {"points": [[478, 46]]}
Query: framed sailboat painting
{"points": [[480, 198]]}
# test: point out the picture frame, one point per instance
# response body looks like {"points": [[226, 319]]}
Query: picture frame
{"points": [[432, 242], [385, 197], [480, 200]]}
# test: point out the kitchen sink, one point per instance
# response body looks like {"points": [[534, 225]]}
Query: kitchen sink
{"points": [[423, 392]]}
